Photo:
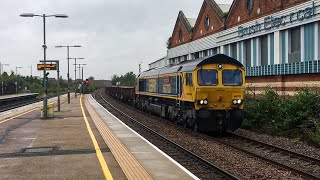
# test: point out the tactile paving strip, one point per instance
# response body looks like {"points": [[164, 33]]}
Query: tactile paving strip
{"points": [[130, 166]]}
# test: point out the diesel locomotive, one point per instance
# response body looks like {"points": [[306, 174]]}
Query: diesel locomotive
{"points": [[205, 94]]}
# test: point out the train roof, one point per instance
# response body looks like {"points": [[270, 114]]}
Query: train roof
{"points": [[188, 66]]}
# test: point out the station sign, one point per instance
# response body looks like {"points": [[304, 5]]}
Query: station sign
{"points": [[49, 67], [272, 22]]}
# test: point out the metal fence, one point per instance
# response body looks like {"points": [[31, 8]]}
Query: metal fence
{"points": [[284, 69]]}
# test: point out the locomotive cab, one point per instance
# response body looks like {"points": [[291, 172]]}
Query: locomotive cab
{"points": [[219, 96]]}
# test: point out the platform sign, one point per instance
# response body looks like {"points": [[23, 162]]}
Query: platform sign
{"points": [[49, 67]]}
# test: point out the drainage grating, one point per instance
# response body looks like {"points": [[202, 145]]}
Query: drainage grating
{"points": [[49, 151], [39, 149]]}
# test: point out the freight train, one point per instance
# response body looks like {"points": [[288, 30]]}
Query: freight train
{"points": [[205, 94]]}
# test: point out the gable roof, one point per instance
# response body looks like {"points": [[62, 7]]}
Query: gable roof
{"points": [[188, 23], [185, 21], [212, 5], [231, 9]]}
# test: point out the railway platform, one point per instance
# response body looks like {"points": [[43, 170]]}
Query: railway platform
{"points": [[82, 141]]}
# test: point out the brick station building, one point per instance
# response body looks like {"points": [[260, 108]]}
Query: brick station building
{"points": [[276, 40]]}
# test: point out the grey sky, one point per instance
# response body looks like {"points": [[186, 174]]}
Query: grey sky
{"points": [[115, 34]]}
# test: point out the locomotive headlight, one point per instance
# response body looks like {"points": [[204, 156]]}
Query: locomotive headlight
{"points": [[237, 101], [205, 102], [201, 101], [220, 66], [234, 101]]}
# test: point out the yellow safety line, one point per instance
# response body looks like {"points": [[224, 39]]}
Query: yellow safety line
{"points": [[18, 115], [102, 161]]}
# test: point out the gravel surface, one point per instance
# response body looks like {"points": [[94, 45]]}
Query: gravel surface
{"points": [[282, 142], [237, 163]]}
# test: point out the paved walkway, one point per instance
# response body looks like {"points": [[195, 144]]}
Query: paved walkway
{"points": [[57, 148]]}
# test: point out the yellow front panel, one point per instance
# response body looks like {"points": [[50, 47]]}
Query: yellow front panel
{"points": [[219, 96]]}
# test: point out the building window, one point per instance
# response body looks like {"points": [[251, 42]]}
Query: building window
{"points": [[247, 51], [180, 35], [205, 53], [226, 50], [250, 5], [185, 57], [295, 44], [207, 22], [309, 42], [215, 51], [196, 55], [264, 50], [189, 81], [234, 50]]}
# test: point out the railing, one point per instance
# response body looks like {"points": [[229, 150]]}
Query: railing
{"points": [[285, 69]]}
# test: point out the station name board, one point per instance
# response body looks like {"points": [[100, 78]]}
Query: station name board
{"points": [[48, 66], [271, 22]]}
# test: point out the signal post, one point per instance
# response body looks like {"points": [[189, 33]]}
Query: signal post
{"points": [[52, 67]]}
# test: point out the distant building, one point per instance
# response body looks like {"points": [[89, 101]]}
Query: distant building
{"points": [[159, 63], [277, 41], [100, 83]]}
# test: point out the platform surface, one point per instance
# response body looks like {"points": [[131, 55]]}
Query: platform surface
{"points": [[76, 143], [72, 155]]}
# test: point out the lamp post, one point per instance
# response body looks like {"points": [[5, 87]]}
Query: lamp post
{"points": [[81, 75], [68, 75], [75, 73], [44, 54], [17, 79], [140, 67], [1, 68], [1, 72]]}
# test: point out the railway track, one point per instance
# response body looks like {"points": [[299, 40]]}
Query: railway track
{"points": [[17, 105], [306, 166], [20, 104], [195, 164]]}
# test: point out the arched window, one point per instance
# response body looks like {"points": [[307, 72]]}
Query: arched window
{"points": [[180, 35], [207, 22], [250, 5]]}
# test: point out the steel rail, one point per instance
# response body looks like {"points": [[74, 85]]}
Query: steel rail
{"points": [[269, 160], [299, 155], [221, 172]]}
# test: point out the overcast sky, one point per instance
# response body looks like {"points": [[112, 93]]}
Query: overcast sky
{"points": [[115, 35]]}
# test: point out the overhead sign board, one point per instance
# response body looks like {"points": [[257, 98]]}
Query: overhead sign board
{"points": [[48, 67]]}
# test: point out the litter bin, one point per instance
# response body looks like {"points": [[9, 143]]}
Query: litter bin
{"points": [[50, 110]]}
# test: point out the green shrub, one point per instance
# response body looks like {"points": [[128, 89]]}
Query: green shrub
{"points": [[315, 136], [283, 115]]}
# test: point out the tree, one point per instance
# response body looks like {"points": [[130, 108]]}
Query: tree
{"points": [[114, 80], [125, 80]]}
